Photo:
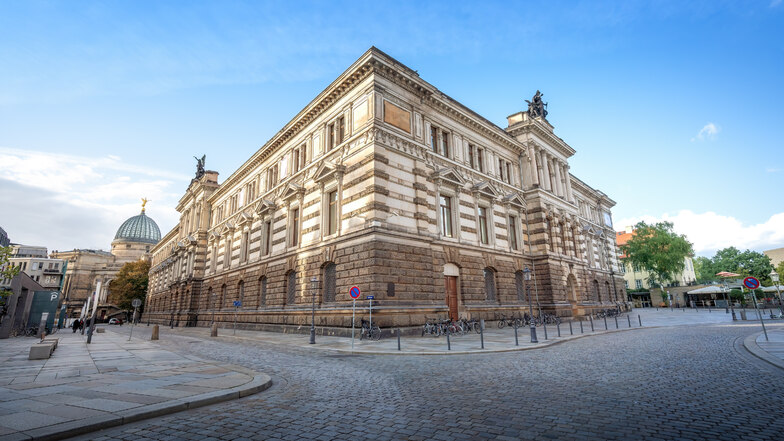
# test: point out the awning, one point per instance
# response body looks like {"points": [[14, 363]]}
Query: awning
{"points": [[772, 288], [707, 290]]}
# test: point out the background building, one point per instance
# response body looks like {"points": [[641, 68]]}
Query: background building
{"points": [[85, 268], [4, 240], [776, 256], [385, 182], [33, 261]]}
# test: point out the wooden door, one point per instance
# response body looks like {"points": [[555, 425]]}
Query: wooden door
{"points": [[450, 283]]}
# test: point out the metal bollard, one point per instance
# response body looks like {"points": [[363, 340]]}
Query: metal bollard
{"points": [[558, 325], [571, 332], [581, 327], [448, 342], [544, 325], [398, 338], [640, 319], [590, 317], [517, 343], [482, 332], [616, 322], [605, 323], [629, 318]]}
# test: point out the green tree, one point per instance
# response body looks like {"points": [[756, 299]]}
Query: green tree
{"points": [[746, 263], [780, 271], [130, 283], [658, 250], [7, 271], [703, 267]]}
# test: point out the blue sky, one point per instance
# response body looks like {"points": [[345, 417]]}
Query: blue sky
{"points": [[674, 107]]}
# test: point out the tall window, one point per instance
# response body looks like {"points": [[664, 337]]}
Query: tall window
{"points": [[479, 161], [508, 172], [295, 157], [332, 211], [330, 136], [214, 257], [520, 286], [341, 130], [434, 138], [272, 176], [501, 169], [446, 216], [638, 283], [596, 293], [267, 233], [244, 247], [223, 296], [445, 144], [490, 284], [227, 253], [483, 237], [471, 161], [241, 292], [513, 232], [295, 227], [263, 291], [291, 287], [330, 271]]}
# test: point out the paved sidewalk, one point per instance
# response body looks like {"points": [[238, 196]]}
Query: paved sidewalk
{"points": [[112, 381], [771, 350]]}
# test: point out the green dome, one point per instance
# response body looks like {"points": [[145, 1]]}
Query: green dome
{"points": [[139, 228]]}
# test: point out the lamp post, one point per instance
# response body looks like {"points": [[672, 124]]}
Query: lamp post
{"points": [[313, 286], [612, 271], [732, 305], [774, 276], [527, 277]]}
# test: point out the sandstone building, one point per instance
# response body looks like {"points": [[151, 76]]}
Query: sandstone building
{"points": [[385, 182]]}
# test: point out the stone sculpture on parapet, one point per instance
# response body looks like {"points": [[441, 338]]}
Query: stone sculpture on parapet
{"points": [[537, 108], [200, 166]]}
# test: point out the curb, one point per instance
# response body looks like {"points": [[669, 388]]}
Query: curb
{"points": [[750, 343], [258, 383]]}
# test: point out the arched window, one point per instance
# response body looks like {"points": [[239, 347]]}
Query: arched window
{"points": [[241, 293], [330, 271], [291, 288], [263, 291], [222, 296], [490, 284], [607, 288], [596, 295], [520, 286]]}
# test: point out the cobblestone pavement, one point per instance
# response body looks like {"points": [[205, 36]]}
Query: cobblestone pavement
{"points": [[683, 382]]}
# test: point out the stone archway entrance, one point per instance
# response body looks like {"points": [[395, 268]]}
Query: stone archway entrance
{"points": [[451, 273]]}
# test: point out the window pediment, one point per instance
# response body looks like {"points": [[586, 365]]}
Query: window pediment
{"points": [[448, 175], [485, 189], [228, 227], [515, 200], [264, 207], [328, 171], [244, 218], [291, 191]]}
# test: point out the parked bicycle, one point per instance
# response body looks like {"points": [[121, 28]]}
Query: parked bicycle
{"points": [[372, 333]]}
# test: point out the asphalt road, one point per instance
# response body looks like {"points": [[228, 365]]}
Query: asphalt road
{"points": [[683, 382]]}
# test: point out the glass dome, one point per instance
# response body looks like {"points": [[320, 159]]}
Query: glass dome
{"points": [[139, 228]]}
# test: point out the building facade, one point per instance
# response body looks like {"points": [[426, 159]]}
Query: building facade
{"points": [[33, 261], [133, 241], [386, 183], [637, 278], [4, 240]]}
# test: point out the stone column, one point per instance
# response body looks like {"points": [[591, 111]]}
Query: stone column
{"points": [[546, 172], [558, 183], [569, 195]]}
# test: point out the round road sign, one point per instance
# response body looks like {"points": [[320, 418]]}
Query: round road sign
{"points": [[751, 283], [354, 292], [136, 303]]}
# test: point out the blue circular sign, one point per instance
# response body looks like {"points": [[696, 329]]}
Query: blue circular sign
{"points": [[751, 283], [354, 292]]}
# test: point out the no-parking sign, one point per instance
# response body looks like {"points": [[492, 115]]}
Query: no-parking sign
{"points": [[354, 292], [751, 283]]}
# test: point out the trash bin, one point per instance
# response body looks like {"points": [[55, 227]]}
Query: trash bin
{"points": [[743, 315]]}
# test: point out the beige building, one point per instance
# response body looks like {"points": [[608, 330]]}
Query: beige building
{"points": [[33, 261], [776, 256], [133, 241], [385, 182]]}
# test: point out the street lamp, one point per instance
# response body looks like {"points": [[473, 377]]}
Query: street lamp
{"points": [[729, 297], [527, 277], [313, 287], [774, 276]]}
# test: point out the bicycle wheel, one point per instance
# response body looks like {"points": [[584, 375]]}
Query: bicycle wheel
{"points": [[477, 327], [375, 333], [501, 323]]}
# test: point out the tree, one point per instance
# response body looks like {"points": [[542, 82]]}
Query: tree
{"points": [[703, 269], [7, 271], [130, 283], [746, 263], [780, 271], [658, 250]]}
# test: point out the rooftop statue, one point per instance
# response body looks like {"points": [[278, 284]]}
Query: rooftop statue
{"points": [[144, 202], [200, 166], [537, 107]]}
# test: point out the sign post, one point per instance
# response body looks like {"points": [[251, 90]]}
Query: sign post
{"points": [[136, 303], [354, 292], [371, 311], [752, 283], [237, 305]]}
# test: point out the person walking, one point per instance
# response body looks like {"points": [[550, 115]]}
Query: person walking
{"points": [[75, 325]]}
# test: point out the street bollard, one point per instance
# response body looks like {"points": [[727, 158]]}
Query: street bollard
{"points": [[616, 322], [448, 342], [590, 317], [571, 332], [517, 343], [544, 325], [214, 330], [482, 332], [629, 318], [605, 323], [558, 325], [398, 338], [581, 327], [155, 331], [640, 319]]}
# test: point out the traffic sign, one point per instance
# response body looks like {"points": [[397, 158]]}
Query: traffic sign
{"points": [[237, 303], [370, 297], [354, 292], [136, 303], [751, 283]]}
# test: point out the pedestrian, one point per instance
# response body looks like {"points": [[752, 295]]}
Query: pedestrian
{"points": [[75, 325]]}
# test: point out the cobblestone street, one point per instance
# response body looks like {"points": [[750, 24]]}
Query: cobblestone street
{"points": [[682, 382]]}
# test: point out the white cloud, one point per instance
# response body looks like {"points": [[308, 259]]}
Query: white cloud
{"points": [[64, 201], [772, 170], [708, 132], [775, 3], [710, 231]]}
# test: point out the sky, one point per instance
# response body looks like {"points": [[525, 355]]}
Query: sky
{"points": [[674, 108]]}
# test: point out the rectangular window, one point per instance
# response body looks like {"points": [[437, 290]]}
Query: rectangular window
{"points": [[332, 221], [330, 137], [434, 138], [471, 156], [508, 172], [341, 130], [446, 216], [244, 255], [501, 169], [445, 141], [295, 161], [479, 160], [638, 283], [483, 225], [227, 253], [295, 227], [513, 232], [267, 233]]}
